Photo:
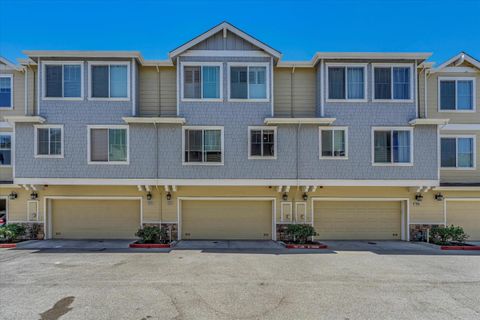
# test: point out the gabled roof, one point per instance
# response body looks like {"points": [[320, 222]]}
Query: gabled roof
{"points": [[459, 59], [10, 64], [228, 27]]}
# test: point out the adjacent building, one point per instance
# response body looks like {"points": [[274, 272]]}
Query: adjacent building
{"points": [[225, 140]]}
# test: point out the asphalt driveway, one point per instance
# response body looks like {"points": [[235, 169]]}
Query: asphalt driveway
{"points": [[385, 280]]}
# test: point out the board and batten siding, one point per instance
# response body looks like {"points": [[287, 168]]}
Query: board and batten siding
{"points": [[460, 175], [294, 92], [218, 42], [157, 91], [433, 101]]}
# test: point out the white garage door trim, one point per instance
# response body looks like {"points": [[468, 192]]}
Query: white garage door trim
{"points": [[405, 235], [274, 209], [47, 213], [454, 199]]}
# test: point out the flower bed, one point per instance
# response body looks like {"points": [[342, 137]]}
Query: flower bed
{"points": [[150, 245], [7, 245], [462, 246], [308, 245]]}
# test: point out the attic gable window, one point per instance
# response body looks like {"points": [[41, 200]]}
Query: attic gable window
{"points": [[248, 82]]}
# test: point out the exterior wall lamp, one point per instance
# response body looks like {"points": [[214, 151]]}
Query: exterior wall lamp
{"points": [[419, 197], [33, 195], [285, 196], [439, 197], [149, 196], [169, 196], [305, 196], [13, 195]]}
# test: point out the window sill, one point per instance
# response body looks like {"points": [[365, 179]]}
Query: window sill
{"points": [[410, 164], [62, 99], [248, 100], [108, 99], [458, 169], [6, 166], [6, 108], [202, 100], [38, 156], [393, 100], [261, 158], [109, 162], [457, 111], [202, 164], [333, 158], [345, 100]]}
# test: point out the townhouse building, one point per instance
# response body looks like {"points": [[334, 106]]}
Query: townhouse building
{"points": [[224, 140]]}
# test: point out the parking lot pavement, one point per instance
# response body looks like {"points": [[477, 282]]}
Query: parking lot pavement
{"points": [[349, 281]]}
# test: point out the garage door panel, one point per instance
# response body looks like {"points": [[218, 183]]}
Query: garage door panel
{"points": [[95, 219], [358, 220], [222, 219], [465, 214]]}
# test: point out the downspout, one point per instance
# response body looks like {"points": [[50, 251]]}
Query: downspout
{"points": [[425, 92], [38, 86], [417, 105], [159, 92], [291, 91], [26, 89], [322, 112]]}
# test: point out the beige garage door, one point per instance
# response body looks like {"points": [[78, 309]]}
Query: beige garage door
{"points": [[222, 219], [465, 214], [358, 220], [95, 219]]}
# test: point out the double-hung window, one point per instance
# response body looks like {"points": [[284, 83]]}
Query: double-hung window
{"points": [[108, 144], [458, 152], [63, 80], [394, 83], [333, 143], [5, 149], [6, 91], [203, 145], [109, 80], [202, 82], [392, 146], [346, 82], [456, 94], [248, 82], [262, 142], [49, 141]]}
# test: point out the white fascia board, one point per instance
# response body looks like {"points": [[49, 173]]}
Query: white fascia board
{"points": [[154, 120], [229, 182], [317, 121], [462, 127], [430, 121], [467, 58], [25, 119], [157, 63], [10, 64], [294, 64], [10, 186], [84, 54], [371, 55], [454, 188]]}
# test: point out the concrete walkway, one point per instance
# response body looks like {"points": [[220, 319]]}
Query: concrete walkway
{"points": [[228, 244], [75, 244]]}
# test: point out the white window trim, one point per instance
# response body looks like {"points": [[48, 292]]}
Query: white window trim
{"points": [[8, 75], [303, 203], [29, 202], [347, 65], [35, 141], [282, 211], [456, 79], [89, 130], [203, 163], [250, 157], [108, 63], [248, 65], [456, 136], [11, 149], [201, 65], [61, 63], [392, 164], [391, 66], [320, 129]]}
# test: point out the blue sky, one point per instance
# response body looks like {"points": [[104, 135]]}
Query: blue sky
{"points": [[296, 28]]}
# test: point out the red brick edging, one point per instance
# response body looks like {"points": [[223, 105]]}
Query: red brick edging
{"points": [[460, 247], [8, 245], [306, 246], [149, 245]]}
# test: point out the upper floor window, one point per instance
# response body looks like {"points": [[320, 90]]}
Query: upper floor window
{"points": [[109, 80], [392, 146], [108, 144], [203, 145], [6, 91], [346, 82], [49, 141], [249, 82], [333, 143], [393, 83], [262, 142], [5, 149], [457, 94], [458, 152], [63, 80], [202, 81]]}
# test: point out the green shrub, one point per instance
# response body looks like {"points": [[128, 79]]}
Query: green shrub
{"points": [[152, 234], [11, 232], [445, 235], [300, 233]]}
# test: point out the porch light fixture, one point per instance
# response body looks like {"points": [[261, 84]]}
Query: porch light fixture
{"points": [[149, 196], [285, 196], [419, 197], [33, 195], [439, 197], [169, 196], [13, 195], [305, 196]]}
